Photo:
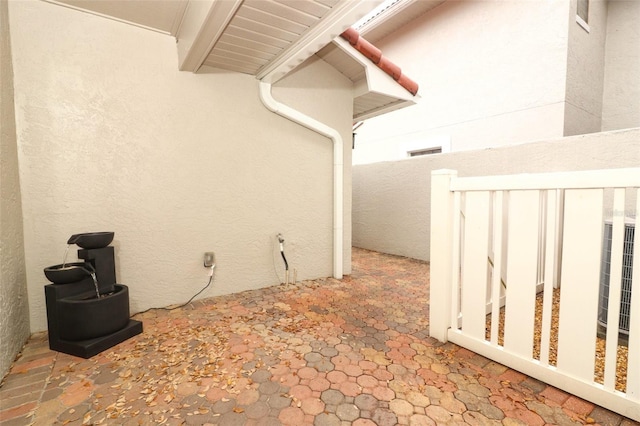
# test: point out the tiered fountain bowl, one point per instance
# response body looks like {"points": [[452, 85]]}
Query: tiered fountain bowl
{"points": [[87, 312]]}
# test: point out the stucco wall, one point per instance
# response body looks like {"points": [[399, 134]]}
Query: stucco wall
{"points": [[391, 200], [489, 73], [319, 85], [621, 98], [585, 70], [14, 308], [113, 137]]}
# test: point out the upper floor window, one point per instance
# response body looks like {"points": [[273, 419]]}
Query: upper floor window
{"points": [[583, 10], [428, 151], [582, 14]]}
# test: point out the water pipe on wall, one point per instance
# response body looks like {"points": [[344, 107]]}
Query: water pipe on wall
{"points": [[284, 258], [311, 123]]}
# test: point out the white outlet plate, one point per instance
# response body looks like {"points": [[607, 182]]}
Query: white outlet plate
{"points": [[209, 259]]}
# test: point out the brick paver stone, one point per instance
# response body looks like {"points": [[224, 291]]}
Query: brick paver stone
{"points": [[325, 352]]}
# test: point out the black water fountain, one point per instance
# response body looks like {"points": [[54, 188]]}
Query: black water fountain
{"points": [[87, 312]]}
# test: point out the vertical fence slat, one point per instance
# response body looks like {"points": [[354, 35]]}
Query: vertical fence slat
{"points": [[582, 243], [615, 287], [522, 271], [549, 276], [475, 267], [564, 246], [559, 236], [497, 266], [441, 253], [455, 262], [633, 366], [542, 237]]}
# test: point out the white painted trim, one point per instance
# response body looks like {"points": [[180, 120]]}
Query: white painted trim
{"points": [[429, 142], [381, 17], [102, 15], [398, 104], [444, 269], [376, 80], [581, 247], [193, 53], [177, 23], [583, 24], [612, 178], [633, 368]]}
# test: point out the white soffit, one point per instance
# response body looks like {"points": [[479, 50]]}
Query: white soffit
{"points": [[265, 38]]}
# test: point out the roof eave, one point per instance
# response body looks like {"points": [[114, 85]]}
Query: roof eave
{"points": [[339, 19], [376, 82]]}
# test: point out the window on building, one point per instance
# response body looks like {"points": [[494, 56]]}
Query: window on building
{"points": [[583, 10], [582, 14], [428, 151]]}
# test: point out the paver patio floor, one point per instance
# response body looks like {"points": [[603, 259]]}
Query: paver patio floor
{"points": [[324, 352]]}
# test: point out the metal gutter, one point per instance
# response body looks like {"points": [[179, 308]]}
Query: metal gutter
{"points": [[338, 162]]}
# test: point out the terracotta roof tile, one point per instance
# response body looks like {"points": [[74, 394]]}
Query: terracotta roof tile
{"points": [[375, 55]]}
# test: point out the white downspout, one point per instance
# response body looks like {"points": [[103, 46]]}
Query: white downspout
{"points": [[338, 190]]}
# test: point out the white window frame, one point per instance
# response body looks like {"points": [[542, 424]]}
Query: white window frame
{"points": [[430, 142], [581, 21]]}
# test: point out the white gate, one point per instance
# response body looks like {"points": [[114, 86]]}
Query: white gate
{"points": [[504, 247]]}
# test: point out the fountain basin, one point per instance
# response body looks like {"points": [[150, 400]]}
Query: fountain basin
{"points": [[92, 240], [84, 316], [70, 273]]}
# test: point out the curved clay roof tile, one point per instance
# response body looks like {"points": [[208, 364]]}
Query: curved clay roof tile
{"points": [[375, 55]]}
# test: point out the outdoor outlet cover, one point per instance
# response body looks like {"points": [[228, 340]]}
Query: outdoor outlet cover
{"points": [[208, 259]]}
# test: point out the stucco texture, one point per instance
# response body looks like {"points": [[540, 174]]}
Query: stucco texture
{"points": [[621, 99], [585, 70], [14, 308], [112, 137], [490, 73], [391, 200]]}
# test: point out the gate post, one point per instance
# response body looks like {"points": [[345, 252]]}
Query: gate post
{"points": [[441, 253]]}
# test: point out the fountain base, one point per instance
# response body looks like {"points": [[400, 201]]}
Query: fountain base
{"points": [[87, 312], [90, 347], [80, 324]]}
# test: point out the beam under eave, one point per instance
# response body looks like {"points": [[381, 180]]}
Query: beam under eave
{"points": [[203, 23], [341, 17]]}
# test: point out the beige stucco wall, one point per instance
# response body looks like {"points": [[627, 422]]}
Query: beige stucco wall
{"points": [[489, 73], [621, 98], [585, 70], [14, 308], [391, 200], [113, 137]]}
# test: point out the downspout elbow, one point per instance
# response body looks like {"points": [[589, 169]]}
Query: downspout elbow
{"points": [[267, 99]]}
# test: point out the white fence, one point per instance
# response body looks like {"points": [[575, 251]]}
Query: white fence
{"points": [[534, 242]]}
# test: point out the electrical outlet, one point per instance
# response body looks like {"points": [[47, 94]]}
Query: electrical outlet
{"points": [[209, 259]]}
